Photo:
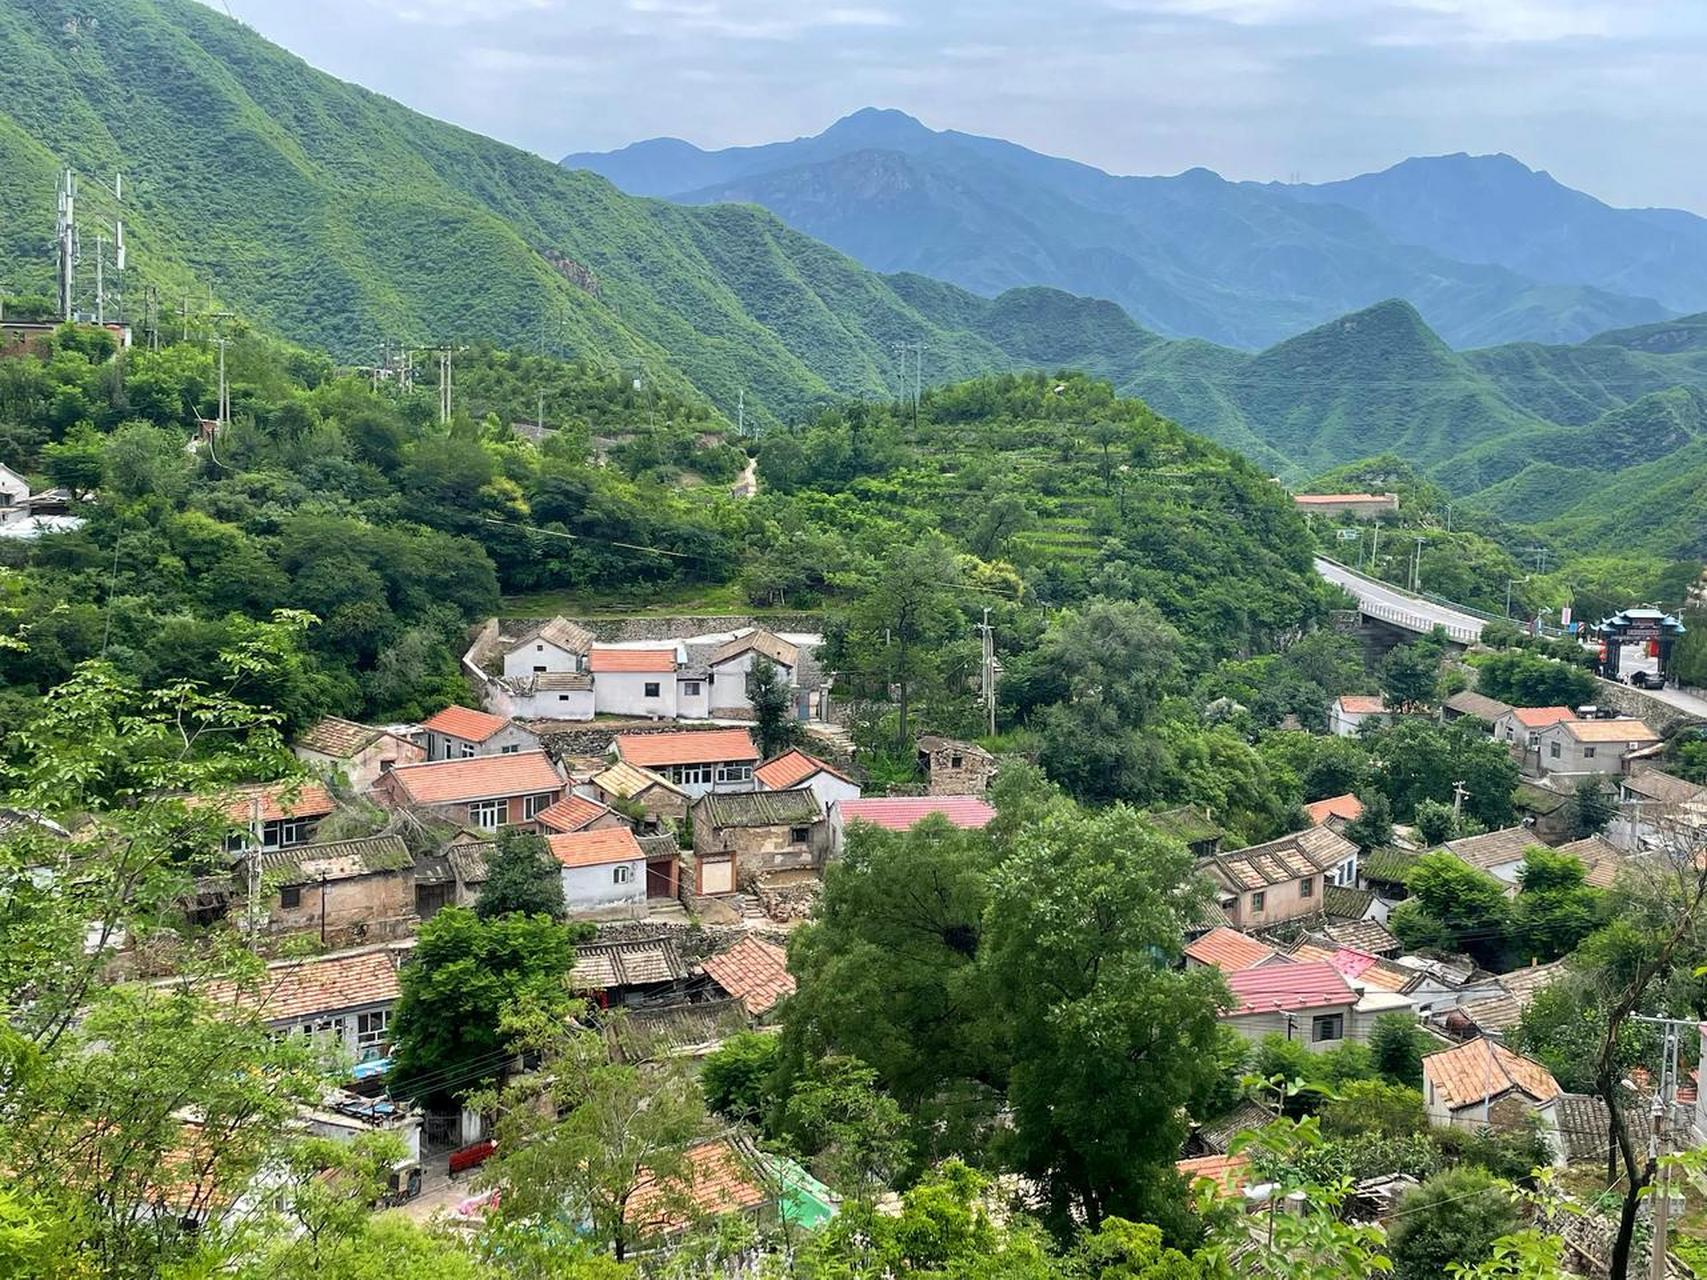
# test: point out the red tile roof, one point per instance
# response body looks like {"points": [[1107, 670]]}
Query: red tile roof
{"points": [[595, 848], [1480, 1068], [902, 813], [714, 1184], [1231, 1172], [1347, 806], [700, 746], [478, 778], [1277, 987], [1360, 704], [1228, 950], [792, 768], [753, 971], [613, 660], [572, 813], [465, 723], [293, 990], [275, 800], [1541, 717]]}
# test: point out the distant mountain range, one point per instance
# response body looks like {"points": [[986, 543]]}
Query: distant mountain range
{"points": [[1486, 249]]}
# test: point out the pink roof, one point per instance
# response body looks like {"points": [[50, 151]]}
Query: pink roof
{"points": [[1351, 962], [1541, 717], [1276, 987], [903, 813]]}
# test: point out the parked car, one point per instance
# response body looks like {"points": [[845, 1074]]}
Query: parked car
{"points": [[1647, 680]]}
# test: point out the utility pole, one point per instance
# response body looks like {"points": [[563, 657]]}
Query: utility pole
{"points": [[224, 401], [1375, 551], [741, 413], [989, 685], [539, 414], [100, 278], [1459, 795], [900, 350], [918, 380], [1417, 567], [1659, 1116]]}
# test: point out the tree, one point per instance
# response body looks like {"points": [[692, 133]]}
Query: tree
{"points": [[1435, 822], [609, 1139], [774, 721], [1593, 807], [1556, 909], [737, 1075], [1453, 1217], [1453, 907], [900, 619], [1374, 1107], [1527, 680], [462, 976], [79, 463], [1410, 671], [1110, 1047], [522, 878], [1398, 1043], [1416, 760], [1119, 654], [1372, 828], [838, 1114]]}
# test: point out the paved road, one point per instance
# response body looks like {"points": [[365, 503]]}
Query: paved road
{"points": [[1388, 603], [1683, 700]]}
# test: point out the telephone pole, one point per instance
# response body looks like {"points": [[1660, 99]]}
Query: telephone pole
{"points": [[1459, 795], [1658, 1137], [67, 243], [1417, 567], [100, 278], [918, 380]]}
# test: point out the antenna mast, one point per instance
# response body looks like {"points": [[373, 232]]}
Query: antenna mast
{"points": [[66, 238]]}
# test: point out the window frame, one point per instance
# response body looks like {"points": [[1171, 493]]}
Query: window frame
{"points": [[1307, 887], [693, 688], [621, 874], [534, 805], [290, 897], [800, 835], [1259, 900], [367, 1035], [1334, 1022], [652, 689], [479, 811], [734, 772]]}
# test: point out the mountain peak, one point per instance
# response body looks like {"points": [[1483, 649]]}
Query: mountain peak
{"points": [[871, 125]]}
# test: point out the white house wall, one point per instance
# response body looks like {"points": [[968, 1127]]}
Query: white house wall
{"points": [[596, 888], [532, 656], [623, 693]]}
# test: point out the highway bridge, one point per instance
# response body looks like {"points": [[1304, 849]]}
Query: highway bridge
{"points": [[1383, 602]]}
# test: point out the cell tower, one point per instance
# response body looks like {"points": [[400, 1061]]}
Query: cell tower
{"points": [[66, 239]]}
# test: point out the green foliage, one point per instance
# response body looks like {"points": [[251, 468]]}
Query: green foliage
{"points": [[774, 722], [1556, 909], [1397, 1045], [1372, 828], [464, 974], [1453, 1217], [1366, 1107], [1525, 680], [737, 1076], [856, 1133], [1435, 822], [1453, 907], [1410, 672], [1417, 760], [522, 878]]}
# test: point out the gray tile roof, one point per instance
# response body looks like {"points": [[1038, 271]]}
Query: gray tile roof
{"points": [[797, 807], [1471, 703], [602, 966], [1495, 849], [336, 860], [1292, 857]]}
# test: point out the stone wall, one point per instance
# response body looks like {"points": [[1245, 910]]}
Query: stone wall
{"points": [[1663, 718]]}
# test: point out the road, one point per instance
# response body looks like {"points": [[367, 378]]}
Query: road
{"points": [[1683, 700], [1389, 604]]}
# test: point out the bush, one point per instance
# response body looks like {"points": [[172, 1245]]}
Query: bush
{"points": [[1526, 680], [1374, 1107], [1453, 1217], [1435, 822], [737, 1076], [1397, 1045]]}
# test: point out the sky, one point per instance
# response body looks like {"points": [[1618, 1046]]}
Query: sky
{"points": [[1604, 94]]}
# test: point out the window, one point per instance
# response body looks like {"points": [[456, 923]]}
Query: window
{"points": [[563, 697], [1307, 887], [290, 895], [954, 762], [539, 648], [1588, 753], [622, 873], [692, 688], [1553, 752], [467, 750], [533, 805], [488, 814], [1327, 1026], [539, 670], [1257, 900], [799, 835], [651, 689], [691, 774], [370, 1030], [282, 833], [734, 773], [509, 750]]}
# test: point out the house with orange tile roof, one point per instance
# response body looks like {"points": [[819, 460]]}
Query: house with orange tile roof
{"points": [[360, 752], [661, 801], [715, 1182], [345, 997], [1482, 1083], [1335, 811], [794, 768], [577, 812], [461, 733], [1227, 950], [603, 871], [1228, 1173], [1521, 726], [753, 971], [483, 792], [696, 761], [1578, 748], [276, 815], [1351, 711]]}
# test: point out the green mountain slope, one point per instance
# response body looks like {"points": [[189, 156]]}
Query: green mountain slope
{"points": [[340, 219]]}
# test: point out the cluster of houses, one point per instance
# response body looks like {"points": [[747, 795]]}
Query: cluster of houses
{"points": [[26, 515], [555, 670]]}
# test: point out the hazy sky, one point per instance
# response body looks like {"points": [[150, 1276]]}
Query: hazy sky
{"points": [[1606, 94]]}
